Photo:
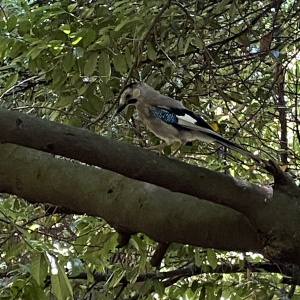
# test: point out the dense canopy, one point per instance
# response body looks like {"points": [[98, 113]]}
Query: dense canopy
{"points": [[104, 217]]}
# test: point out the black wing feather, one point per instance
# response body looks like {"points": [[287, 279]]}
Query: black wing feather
{"points": [[199, 121]]}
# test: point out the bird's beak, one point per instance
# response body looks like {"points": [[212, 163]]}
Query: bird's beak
{"points": [[121, 107]]}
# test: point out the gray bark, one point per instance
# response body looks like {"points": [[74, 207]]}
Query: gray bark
{"points": [[128, 205], [268, 218]]}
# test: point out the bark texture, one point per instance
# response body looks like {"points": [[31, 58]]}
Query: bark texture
{"points": [[268, 218], [128, 205]]}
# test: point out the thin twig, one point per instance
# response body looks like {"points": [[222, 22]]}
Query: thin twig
{"points": [[19, 83]]}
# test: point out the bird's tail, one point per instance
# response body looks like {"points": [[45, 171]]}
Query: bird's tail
{"points": [[219, 139]]}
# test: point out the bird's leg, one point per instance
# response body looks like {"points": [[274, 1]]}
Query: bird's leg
{"points": [[178, 148], [158, 147]]}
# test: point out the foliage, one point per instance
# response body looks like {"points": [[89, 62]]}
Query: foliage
{"points": [[234, 61]]}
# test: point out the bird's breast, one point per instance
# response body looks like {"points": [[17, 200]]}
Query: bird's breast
{"points": [[161, 129]]}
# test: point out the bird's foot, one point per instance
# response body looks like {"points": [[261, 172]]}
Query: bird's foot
{"points": [[159, 147]]}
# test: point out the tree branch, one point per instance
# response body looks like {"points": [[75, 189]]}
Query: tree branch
{"points": [[193, 270], [131, 161], [128, 205], [262, 209]]}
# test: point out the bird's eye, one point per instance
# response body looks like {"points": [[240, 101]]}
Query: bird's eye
{"points": [[127, 96]]}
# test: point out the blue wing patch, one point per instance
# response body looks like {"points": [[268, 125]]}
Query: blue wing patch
{"points": [[165, 115]]}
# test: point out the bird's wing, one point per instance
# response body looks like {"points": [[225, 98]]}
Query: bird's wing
{"points": [[180, 116], [189, 119], [185, 119]]}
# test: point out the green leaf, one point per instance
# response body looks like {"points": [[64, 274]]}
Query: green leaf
{"points": [[58, 77], [132, 275], [120, 64], [146, 287], [71, 7], [76, 40], [126, 21], [87, 107], [39, 268], [187, 44], [159, 287], [34, 52], [244, 40], [104, 66], [64, 101], [101, 43], [24, 27], [13, 251], [119, 3], [219, 294], [195, 285], [89, 37], [11, 81], [106, 92], [60, 283], [66, 28], [180, 45], [199, 43], [117, 276], [83, 89], [74, 121], [233, 10], [198, 258], [26, 234], [151, 51], [95, 101], [168, 72], [90, 65], [141, 246], [215, 57], [221, 6], [68, 61], [11, 23], [2, 24], [210, 293], [212, 258], [128, 56], [33, 291], [88, 12]]}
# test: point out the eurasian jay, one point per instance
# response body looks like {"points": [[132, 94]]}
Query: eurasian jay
{"points": [[170, 120]]}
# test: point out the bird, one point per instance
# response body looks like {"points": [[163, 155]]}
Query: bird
{"points": [[170, 120]]}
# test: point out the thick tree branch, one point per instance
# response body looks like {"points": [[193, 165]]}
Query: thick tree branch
{"points": [[126, 204], [263, 209], [131, 161]]}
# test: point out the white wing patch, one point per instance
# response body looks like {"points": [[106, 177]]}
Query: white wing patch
{"points": [[190, 123], [187, 118]]}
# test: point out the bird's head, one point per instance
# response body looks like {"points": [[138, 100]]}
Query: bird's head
{"points": [[135, 93], [129, 95]]}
